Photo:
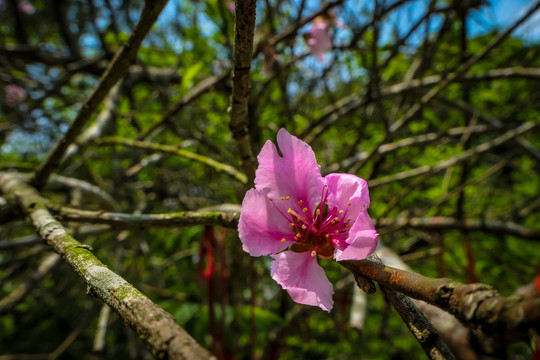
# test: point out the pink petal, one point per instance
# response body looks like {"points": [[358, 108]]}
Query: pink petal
{"points": [[303, 278], [345, 188], [261, 227], [362, 240], [26, 7], [319, 40], [231, 6], [296, 174]]}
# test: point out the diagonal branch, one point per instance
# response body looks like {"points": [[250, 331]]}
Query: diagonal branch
{"points": [[118, 67], [154, 326]]}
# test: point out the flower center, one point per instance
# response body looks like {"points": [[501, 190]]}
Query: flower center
{"points": [[320, 231]]}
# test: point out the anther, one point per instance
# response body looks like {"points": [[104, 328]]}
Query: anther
{"points": [[313, 253], [349, 203], [300, 202], [341, 211], [283, 240], [336, 219], [318, 212], [270, 199], [304, 210], [282, 198], [287, 198]]}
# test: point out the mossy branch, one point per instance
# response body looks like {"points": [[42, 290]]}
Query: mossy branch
{"points": [[154, 326]]}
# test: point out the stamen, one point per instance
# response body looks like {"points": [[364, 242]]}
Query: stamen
{"points": [[304, 210], [313, 253], [287, 198], [304, 227], [349, 203], [300, 202], [282, 198], [341, 211], [270, 199], [291, 211], [318, 212], [283, 240], [292, 224], [336, 219]]}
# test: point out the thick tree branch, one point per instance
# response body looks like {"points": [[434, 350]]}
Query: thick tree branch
{"points": [[476, 305], [243, 53], [154, 326]]}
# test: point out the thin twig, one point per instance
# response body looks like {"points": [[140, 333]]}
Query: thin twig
{"points": [[216, 165]]}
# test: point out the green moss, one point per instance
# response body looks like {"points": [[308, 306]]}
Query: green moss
{"points": [[126, 291]]}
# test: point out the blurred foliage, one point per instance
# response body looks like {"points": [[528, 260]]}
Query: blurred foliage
{"points": [[192, 41]]}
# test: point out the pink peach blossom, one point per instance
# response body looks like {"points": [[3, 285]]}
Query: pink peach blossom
{"points": [[318, 38], [294, 208], [14, 95], [26, 7]]}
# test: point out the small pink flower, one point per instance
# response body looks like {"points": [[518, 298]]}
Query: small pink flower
{"points": [[294, 208], [231, 6], [318, 38], [26, 7], [14, 95]]}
